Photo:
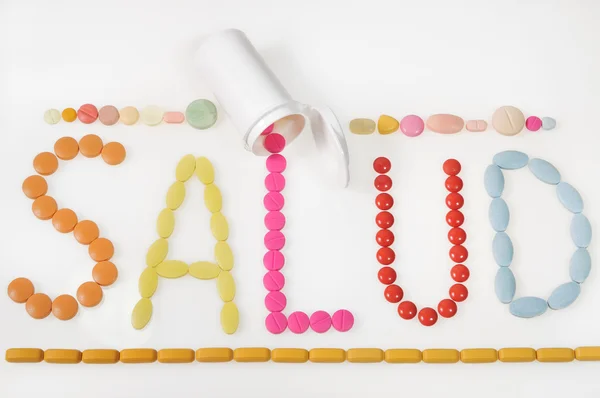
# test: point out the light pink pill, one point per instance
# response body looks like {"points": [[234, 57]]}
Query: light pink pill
{"points": [[476, 125], [412, 125], [275, 301], [273, 201], [274, 220], [298, 322], [533, 123], [342, 320], [173, 117], [273, 281], [268, 130], [274, 240], [274, 143], [276, 163], [274, 182], [320, 321], [276, 322], [273, 260]]}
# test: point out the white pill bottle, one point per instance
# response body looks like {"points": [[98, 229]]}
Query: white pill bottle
{"points": [[254, 98]]}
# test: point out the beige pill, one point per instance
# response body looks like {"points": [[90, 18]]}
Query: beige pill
{"points": [[175, 195], [212, 198], [226, 286], [555, 354], [362, 126], [24, 355], [476, 125], [214, 354], [62, 356], [176, 355], [129, 115], [224, 256], [516, 355], [508, 120], [364, 355], [219, 226], [148, 282], [185, 168], [444, 123], [327, 355], [157, 252], [230, 317], [441, 356], [479, 355], [403, 355], [205, 170], [289, 355], [100, 356], [138, 355], [172, 269], [204, 270], [165, 223], [142, 312], [251, 354], [587, 353]]}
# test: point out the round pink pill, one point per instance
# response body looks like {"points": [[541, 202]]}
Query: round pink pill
{"points": [[298, 322], [533, 123], [274, 143], [274, 220], [273, 201], [276, 302], [412, 125], [274, 281], [276, 163], [320, 321], [274, 240], [342, 320], [273, 260], [276, 322], [268, 130], [274, 182]]}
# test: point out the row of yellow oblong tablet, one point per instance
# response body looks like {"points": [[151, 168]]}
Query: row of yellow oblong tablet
{"points": [[300, 355]]}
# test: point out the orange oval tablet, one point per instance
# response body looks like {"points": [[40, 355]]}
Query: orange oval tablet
{"points": [[64, 220], [65, 307], [20, 289], [105, 273], [89, 294], [90, 146], [35, 186], [44, 207], [86, 232], [45, 163], [39, 306], [101, 249], [69, 115], [66, 148], [113, 153]]}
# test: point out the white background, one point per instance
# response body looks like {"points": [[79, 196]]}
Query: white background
{"points": [[362, 59]]}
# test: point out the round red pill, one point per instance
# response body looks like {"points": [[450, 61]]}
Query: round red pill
{"points": [[386, 275], [384, 201], [457, 236], [384, 220], [384, 237], [87, 113], [451, 167], [385, 256], [383, 183], [447, 308], [407, 310], [460, 273], [382, 165], [455, 218], [454, 201], [533, 123], [459, 292], [393, 293], [428, 316], [459, 253], [274, 143], [454, 183]]}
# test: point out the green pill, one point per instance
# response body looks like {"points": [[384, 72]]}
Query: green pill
{"points": [[201, 114]]}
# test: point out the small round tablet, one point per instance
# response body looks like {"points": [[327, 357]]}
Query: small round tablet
{"points": [[201, 114], [129, 115], [90, 145], [52, 116], [108, 115], [151, 115], [89, 294], [66, 148], [20, 289], [113, 153], [87, 113], [65, 307], [69, 115], [276, 163], [35, 186]]}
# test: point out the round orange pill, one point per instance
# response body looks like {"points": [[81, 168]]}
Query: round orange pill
{"points": [[89, 294], [39, 306], [86, 232], [20, 289], [113, 153], [101, 249], [66, 148], [44, 207], [65, 307], [69, 115], [90, 146], [45, 163], [105, 273], [64, 220], [35, 186]]}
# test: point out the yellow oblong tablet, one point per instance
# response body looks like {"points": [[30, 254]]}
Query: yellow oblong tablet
{"points": [[175, 195], [142, 312], [555, 354], [587, 353], [289, 355], [148, 282], [251, 354], [205, 170], [479, 355], [230, 317], [100, 356], [219, 226], [204, 270], [157, 252], [516, 354], [212, 198], [364, 355], [24, 355], [172, 269], [176, 355], [185, 168], [327, 355], [62, 356], [441, 356], [165, 223], [214, 354], [226, 286], [403, 355], [138, 355], [224, 256]]}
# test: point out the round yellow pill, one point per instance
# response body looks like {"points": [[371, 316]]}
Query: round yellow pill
{"points": [[69, 115]]}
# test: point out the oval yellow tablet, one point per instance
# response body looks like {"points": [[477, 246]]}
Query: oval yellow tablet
{"points": [[289, 355], [230, 317], [62, 356], [157, 252], [165, 223], [212, 198], [172, 269], [24, 355], [176, 355], [185, 168], [403, 355], [138, 355], [251, 354], [205, 170], [440, 356], [142, 312], [327, 355], [219, 226], [100, 356], [175, 195], [226, 286], [204, 270], [224, 256], [216, 354], [148, 282], [364, 355]]}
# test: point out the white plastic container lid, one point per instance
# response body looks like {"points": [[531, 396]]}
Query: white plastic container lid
{"points": [[254, 98]]}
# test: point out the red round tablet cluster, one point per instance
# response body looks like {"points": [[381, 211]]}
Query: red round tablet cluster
{"points": [[457, 236]]}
